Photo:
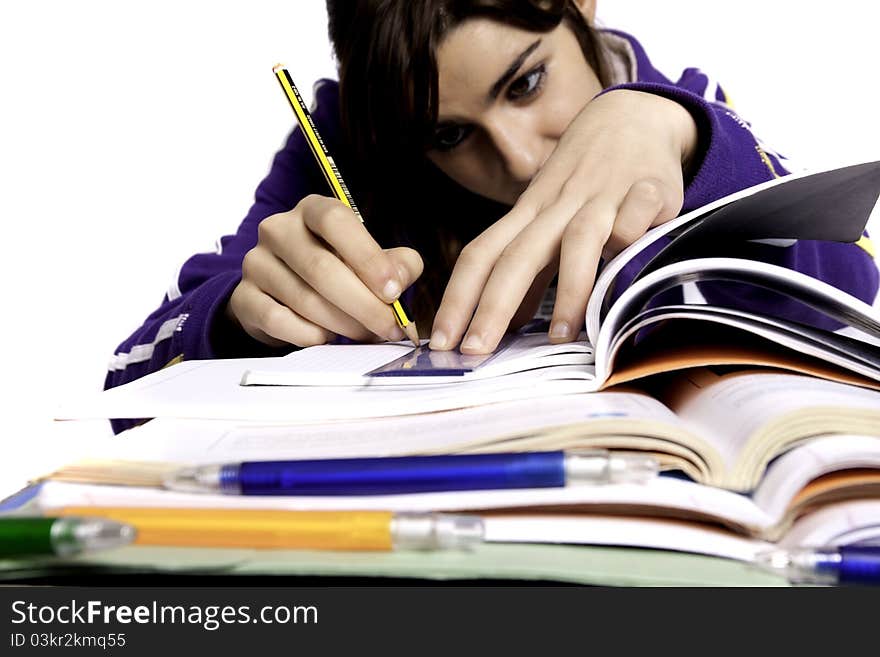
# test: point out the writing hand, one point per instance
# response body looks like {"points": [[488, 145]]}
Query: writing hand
{"points": [[316, 273]]}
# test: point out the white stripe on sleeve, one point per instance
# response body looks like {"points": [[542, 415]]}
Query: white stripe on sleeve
{"points": [[142, 352]]}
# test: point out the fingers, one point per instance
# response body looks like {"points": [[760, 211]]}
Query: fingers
{"points": [[344, 232], [579, 255], [471, 272], [534, 297], [268, 321], [646, 203], [276, 280], [460, 296], [302, 283], [576, 234], [598, 229], [322, 271], [332, 280], [514, 273], [408, 263]]}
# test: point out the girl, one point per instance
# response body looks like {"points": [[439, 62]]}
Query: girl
{"points": [[505, 143]]}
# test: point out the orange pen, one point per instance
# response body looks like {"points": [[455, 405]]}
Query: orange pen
{"points": [[298, 530]]}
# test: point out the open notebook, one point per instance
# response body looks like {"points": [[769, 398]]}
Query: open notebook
{"points": [[693, 249]]}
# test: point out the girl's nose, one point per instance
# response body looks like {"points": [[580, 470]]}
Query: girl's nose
{"points": [[522, 150]]}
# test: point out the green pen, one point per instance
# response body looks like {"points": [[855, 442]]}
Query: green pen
{"points": [[32, 536]]}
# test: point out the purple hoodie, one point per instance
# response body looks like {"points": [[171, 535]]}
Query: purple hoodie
{"points": [[185, 326]]}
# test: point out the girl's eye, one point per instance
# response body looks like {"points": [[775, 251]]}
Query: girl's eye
{"points": [[449, 136], [526, 85]]}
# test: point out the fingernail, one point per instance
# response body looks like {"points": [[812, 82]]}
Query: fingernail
{"points": [[438, 340], [397, 334], [472, 343], [560, 330], [391, 290]]}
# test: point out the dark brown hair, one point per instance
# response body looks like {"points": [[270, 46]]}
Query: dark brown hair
{"points": [[385, 50]]}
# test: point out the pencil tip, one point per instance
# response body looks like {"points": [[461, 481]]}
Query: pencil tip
{"points": [[412, 333]]}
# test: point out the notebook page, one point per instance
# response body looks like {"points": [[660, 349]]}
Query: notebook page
{"points": [[326, 364], [211, 390], [349, 365]]}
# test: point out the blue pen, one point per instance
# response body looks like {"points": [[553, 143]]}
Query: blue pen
{"points": [[825, 565], [416, 474]]}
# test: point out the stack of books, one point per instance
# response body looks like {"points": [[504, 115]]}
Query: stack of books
{"points": [[765, 432]]}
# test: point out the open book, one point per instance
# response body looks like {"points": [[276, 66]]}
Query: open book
{"points": [[622, 341], [717, 428], [626, 339], [666, 513]]}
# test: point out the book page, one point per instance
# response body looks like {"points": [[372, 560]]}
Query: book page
{"points": [[703, 336], [197, 441], [611, 420], [761, 201], [832, 488], [837, 524], [662, 358], [832, 205], [788, 475], [814, 293], [600, 295], [750, 417]]}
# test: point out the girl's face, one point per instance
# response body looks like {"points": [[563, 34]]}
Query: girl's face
{"points": [[505, 98]]}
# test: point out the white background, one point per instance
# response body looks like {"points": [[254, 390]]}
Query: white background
{"points": [[132, 134]]}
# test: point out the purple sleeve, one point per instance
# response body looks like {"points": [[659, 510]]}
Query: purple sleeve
{"points": [[185, 325], [730, 158]]}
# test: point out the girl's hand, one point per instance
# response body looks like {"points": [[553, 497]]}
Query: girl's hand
{"points": [[616, 171], [316, 273]]}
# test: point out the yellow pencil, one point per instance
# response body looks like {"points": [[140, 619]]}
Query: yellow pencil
{"points": [[292, 530], [334, 178]]}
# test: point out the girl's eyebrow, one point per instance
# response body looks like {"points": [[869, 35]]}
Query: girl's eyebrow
{"points": [[512, 70]]}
